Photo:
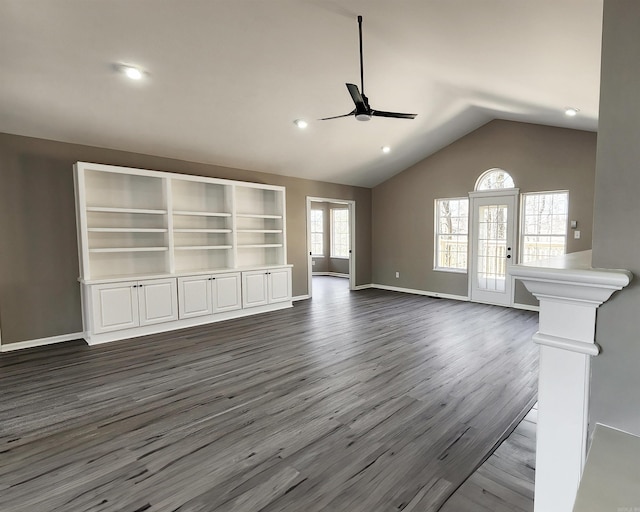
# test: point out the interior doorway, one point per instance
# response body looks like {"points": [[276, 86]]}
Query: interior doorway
{"points": [[331, 227]]}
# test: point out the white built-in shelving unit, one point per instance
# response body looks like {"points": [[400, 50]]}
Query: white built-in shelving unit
{"points": [[136, 225]]}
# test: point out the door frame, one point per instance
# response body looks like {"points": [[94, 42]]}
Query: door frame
{"points": [[514, 233], [351, 204]]}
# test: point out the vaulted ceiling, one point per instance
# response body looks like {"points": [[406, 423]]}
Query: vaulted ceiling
{"points": [[225, 79]]}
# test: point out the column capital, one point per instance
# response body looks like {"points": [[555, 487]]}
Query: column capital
{"points": [[571, 279]]}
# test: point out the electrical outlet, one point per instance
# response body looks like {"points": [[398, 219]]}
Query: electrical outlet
{"points": [[397, 275], [576, 234]]}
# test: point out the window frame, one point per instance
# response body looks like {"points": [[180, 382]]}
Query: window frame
{"points": [[523, 223], [332, 251], [437, 234], [312, 232]]}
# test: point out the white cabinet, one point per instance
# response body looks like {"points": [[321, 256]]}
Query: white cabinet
{"points": [[261, 287], [115, 306], [161, 251], [118, 306], [279, 285], [226, 292], [209, 294], [194, 296], [157, 301], [254, 289]]}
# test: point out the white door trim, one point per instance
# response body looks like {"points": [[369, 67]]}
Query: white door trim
{"points": [[510, 194], [352, 236]]}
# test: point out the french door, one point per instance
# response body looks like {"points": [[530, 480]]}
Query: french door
{"points": [[493, 245]]}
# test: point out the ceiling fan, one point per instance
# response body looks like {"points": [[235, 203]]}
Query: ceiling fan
{"points": [[363, 112]]}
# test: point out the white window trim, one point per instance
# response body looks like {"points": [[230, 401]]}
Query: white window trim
{"points": [[332, 237], [521, 230], [436, 223], [314, 255]]}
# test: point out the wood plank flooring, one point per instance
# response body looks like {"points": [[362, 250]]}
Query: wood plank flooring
{"points": [[505, 482], [352, 401]]}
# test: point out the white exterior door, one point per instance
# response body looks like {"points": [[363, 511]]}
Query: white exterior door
{"points": [[492, 248], [115, 306], [194, 296], [226, 290], [158, 301], [279, 285], [254, 289]]}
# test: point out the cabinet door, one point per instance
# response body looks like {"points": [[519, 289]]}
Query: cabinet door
{"points": [[115, 306], [226, 292], [254, 289], [158, 301], [194, 296], [279, 285]]}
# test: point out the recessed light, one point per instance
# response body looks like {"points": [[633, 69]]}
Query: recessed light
{"points": [[571, 111], [386, 149], [132, 72], [301, 123]]}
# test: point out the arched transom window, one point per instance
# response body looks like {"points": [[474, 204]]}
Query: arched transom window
{"points": [[494, 179]]}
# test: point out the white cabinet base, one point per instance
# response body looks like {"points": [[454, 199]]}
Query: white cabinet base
{"points": [[96, 339]]}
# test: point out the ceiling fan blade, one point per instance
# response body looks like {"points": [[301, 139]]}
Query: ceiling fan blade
{"points": [[336, 117], [398, 115], [357, 98]]}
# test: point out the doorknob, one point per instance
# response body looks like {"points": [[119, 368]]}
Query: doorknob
{"points": [[508, 256]]}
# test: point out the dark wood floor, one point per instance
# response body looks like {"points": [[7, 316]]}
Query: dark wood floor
{"points": [[364, 401], [505, 482]]}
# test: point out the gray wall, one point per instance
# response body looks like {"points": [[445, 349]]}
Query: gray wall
{"points": [[538, 158], [39, 292], [615, 383], [326, 263]]}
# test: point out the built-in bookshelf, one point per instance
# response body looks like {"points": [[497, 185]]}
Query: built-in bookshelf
{"points": [[135, 223], [161, 251]]}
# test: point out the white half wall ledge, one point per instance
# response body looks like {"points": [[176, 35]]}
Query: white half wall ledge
{"points": [[571, 278], [569, 291]]}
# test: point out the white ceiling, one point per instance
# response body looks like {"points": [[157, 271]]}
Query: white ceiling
{"points": [[227, 78]]}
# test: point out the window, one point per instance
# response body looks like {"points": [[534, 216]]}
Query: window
{"points": [[317, 232], [339, 233], [544, 225], [451, 230], [494, 179]]}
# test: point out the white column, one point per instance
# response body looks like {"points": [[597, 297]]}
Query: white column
{"points": [[569, 292]]}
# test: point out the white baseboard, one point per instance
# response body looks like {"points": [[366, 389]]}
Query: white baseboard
{"points": [[420, 292], [300, 297], [362, 286], [526, 307], [331, 274], [40, 342]]}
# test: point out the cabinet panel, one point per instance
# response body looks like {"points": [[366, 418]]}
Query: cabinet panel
{"points": [[279, 285], [115, 306], [227, 292], [194, 296], [158, 301], [254, 289]]}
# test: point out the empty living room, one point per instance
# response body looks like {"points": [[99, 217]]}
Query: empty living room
{"points": [[325, 256]]}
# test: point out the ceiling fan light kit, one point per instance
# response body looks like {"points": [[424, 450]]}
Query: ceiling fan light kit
{"points": [[363, 111]]}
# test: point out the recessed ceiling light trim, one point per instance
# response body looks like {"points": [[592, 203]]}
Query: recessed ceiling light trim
{"points": [[571, 111], [301, 123], [386, 149]]}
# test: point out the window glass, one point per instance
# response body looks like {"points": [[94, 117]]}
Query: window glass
{"points": [[494, 179], [451, 234], [339, 233], [317, 233], [544, 225]]}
